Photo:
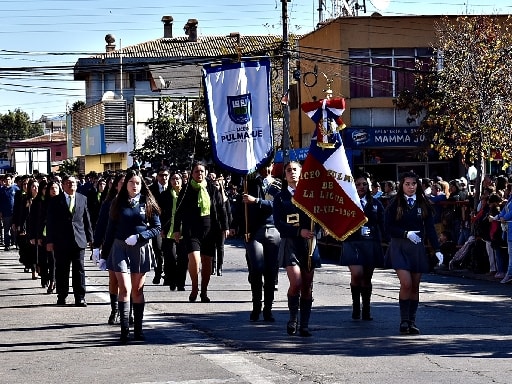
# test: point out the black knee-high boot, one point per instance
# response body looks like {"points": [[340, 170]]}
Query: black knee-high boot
{"points": [[114, 309], [413, 308], [366, 294], [268, 300], [293, 307], [130, 317], [256, 287], [305, 313], [356, 301], [138, 315], [404, 315], [124, 311]]}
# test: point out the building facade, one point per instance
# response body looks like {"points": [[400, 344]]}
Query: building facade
{"points": [[123, 87], [369, 61]]}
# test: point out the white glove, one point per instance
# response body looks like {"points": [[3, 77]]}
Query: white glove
{"points": [[96, 255], [131, 240], [412, 235], [102, 264], [440, 257]]}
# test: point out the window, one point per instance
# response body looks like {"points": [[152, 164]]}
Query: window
{"points": [[58, 153], [384, 72], [128, 81], [111, 167], [379, 117]]}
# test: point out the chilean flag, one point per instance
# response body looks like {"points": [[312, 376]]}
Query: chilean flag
{"points": [[326, 191]]}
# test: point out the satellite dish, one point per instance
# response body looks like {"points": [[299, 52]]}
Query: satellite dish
{"points": [[381, 5]]}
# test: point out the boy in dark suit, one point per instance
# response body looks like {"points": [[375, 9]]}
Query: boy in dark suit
{"points": [[69, 232]]}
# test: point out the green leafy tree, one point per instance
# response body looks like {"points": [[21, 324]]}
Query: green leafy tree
{"points": [[178, 134], [16, 125], [70, 166], [466, 106], [78, 105]]}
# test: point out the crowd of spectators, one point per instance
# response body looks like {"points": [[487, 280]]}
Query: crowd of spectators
{"points": [[470, 236]]}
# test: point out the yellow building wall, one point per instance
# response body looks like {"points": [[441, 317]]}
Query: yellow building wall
{"points": [[97, 163]]}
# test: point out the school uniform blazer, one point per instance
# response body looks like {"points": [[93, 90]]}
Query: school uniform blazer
{"points": [[66, 229]]}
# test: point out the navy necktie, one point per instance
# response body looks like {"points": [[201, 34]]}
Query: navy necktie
{"points": [[410, 201]]}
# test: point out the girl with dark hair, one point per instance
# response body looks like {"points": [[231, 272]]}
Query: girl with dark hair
{"points": [[199, 206], [297, 242], [36, 210], [408, 220], [100, 257], [362, 250], [133, 221]]}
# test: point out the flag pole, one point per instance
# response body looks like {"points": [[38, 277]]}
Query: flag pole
{"points": [[247, 234], [311, 249]]}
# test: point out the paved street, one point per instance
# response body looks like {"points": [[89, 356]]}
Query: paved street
{"points": [[466, 336]]}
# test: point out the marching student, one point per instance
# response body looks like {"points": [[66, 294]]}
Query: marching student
{"points": [[408, 220], [295, 251]]}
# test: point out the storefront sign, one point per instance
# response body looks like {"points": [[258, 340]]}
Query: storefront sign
{"points": [[382, 137]]}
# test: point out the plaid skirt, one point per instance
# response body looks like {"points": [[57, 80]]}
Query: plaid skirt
{"points": [[404, 254], [134, 258]]}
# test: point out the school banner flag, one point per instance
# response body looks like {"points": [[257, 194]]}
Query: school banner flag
{"points": [[326, 191], [238, 108]]}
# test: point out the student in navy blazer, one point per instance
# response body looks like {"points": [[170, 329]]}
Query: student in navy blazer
{"points": [[68, 233]]}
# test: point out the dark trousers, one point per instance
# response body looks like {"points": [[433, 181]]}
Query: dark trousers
{"points": [[262, 253], [175, 262], [159, 259], [64, 259], [218, 258]]}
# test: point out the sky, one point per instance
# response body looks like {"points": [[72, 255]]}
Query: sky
{"points": [[41, 40]]}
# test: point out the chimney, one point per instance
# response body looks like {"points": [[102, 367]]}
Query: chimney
{"points": [[191, 29], [235, 36], [167, 20], [110, 39]]}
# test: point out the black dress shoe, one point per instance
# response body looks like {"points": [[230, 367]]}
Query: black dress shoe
{"points": [[181, 289], [404, 328], [267, 315], [80, 303], [204, 298], [61, 302], [50, 289], [139, 336], [413, 329], [291, 328], [219, 271], [192, 298], [172, 286], [156, 279], [254, 316], [304, 332]]}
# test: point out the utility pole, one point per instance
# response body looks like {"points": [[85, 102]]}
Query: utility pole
{"points": [[286, 84]]}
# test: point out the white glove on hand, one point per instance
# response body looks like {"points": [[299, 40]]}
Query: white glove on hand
{"points": [[102, 264], [440, 257], [412, 235], [131, 240], [96, 255]]}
